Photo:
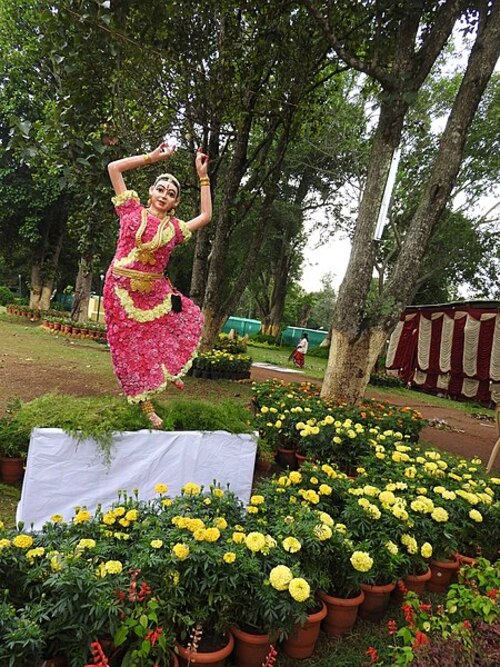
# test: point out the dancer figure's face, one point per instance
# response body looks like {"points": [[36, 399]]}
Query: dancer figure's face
{"points": [[164, 196]]}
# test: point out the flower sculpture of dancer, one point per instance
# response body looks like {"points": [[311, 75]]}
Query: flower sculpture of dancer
{"points": [[153, 330]]}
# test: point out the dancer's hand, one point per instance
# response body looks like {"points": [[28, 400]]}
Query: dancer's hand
{"points": [[201, 163], [162, 152]]}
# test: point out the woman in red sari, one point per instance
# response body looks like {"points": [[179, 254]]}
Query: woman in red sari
{"points": [[300, 351], [153, 330]]}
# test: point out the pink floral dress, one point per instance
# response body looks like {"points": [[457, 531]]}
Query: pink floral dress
{"points": [[150, 344]]}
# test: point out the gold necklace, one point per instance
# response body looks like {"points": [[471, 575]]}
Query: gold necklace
{"points": [[147, 250]]}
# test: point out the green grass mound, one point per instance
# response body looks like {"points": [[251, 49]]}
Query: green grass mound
{"points": [[100, 417]]}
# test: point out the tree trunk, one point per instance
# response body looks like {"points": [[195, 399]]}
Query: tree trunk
{"points": [[79, 312], [350, 364], [200, 266], [35, 285], [355, 332], [212, 325]]}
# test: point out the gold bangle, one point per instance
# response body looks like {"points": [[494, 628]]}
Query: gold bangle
{"points": [[204, 181], [147, 158]]}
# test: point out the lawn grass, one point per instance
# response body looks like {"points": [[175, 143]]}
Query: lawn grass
{"points": [[314, 366]]}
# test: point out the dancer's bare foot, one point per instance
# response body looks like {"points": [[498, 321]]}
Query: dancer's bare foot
{"points": [[149, 411]]}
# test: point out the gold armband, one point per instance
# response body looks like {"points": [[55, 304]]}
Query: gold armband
{"points": [[147, 158], [204, 181]]}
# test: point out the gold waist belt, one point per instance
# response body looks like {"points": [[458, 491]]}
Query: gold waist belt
{"points": [[140, 281]]}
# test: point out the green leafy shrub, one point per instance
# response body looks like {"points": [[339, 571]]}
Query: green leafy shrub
{"points": [[382, 380], [320, 352], [263, 338], [5, 295], [234, 345]]}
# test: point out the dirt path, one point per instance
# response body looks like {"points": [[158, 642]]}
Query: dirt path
{"points": [[463, 434]]}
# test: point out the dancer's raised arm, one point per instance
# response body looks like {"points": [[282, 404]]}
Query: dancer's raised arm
{"points": [[116, 168]]}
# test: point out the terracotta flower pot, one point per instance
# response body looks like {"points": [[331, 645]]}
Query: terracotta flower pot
{"points": [[302, 641], [12, 470], [376, 602], [413, 582], [300, 458], [286, 458], [250, 649], [462, 560], [441, 574], [342, 613], [214, 658]]}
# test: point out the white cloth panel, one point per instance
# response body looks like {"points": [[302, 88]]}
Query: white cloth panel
{"points": [[495, 353], [470, 387], [62, 473], [446, 342], [393, 344], [424, 342], [471, 340], [443, 381], [420, 377]]}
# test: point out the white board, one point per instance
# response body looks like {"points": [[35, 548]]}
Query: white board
{"points": [[63, 472]]}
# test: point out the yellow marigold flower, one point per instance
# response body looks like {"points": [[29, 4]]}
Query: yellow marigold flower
{"points": [[35, 553], [156, 544], [264, 409], [329, 471], [299, 589], [191, 489], [22, 541], [220, 523], [212, 534], [252, 510], [440, 515], [325, 490], [493, 480], [257, 500], [119, 511], [161, 488], [132, 515], [280, 577], [181, 551], [255, 541], [238, 537], [476, 516], [361, 561], [387, 498], [229, 557], [426, 550], [57, 518], [322, 532], [83, 516], [410, 472], [86, 543], [311, 496], [341, 528], [295, 477], [325, 518], [391, 547], [379, 455], [314, 480], [108, 519], [291, 544], [218, 493], [283, 481], [328, 419], [124, 522], [113, 567], [166, 502], [4, 543], [55, 562], [199, 534], [371, 490]]}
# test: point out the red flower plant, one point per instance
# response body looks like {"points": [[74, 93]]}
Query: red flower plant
{"points": [[100, 659], [392, 626], [420, 639], [372, 653]]}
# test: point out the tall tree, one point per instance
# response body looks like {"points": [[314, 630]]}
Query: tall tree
{"points": [[406, 39]]}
